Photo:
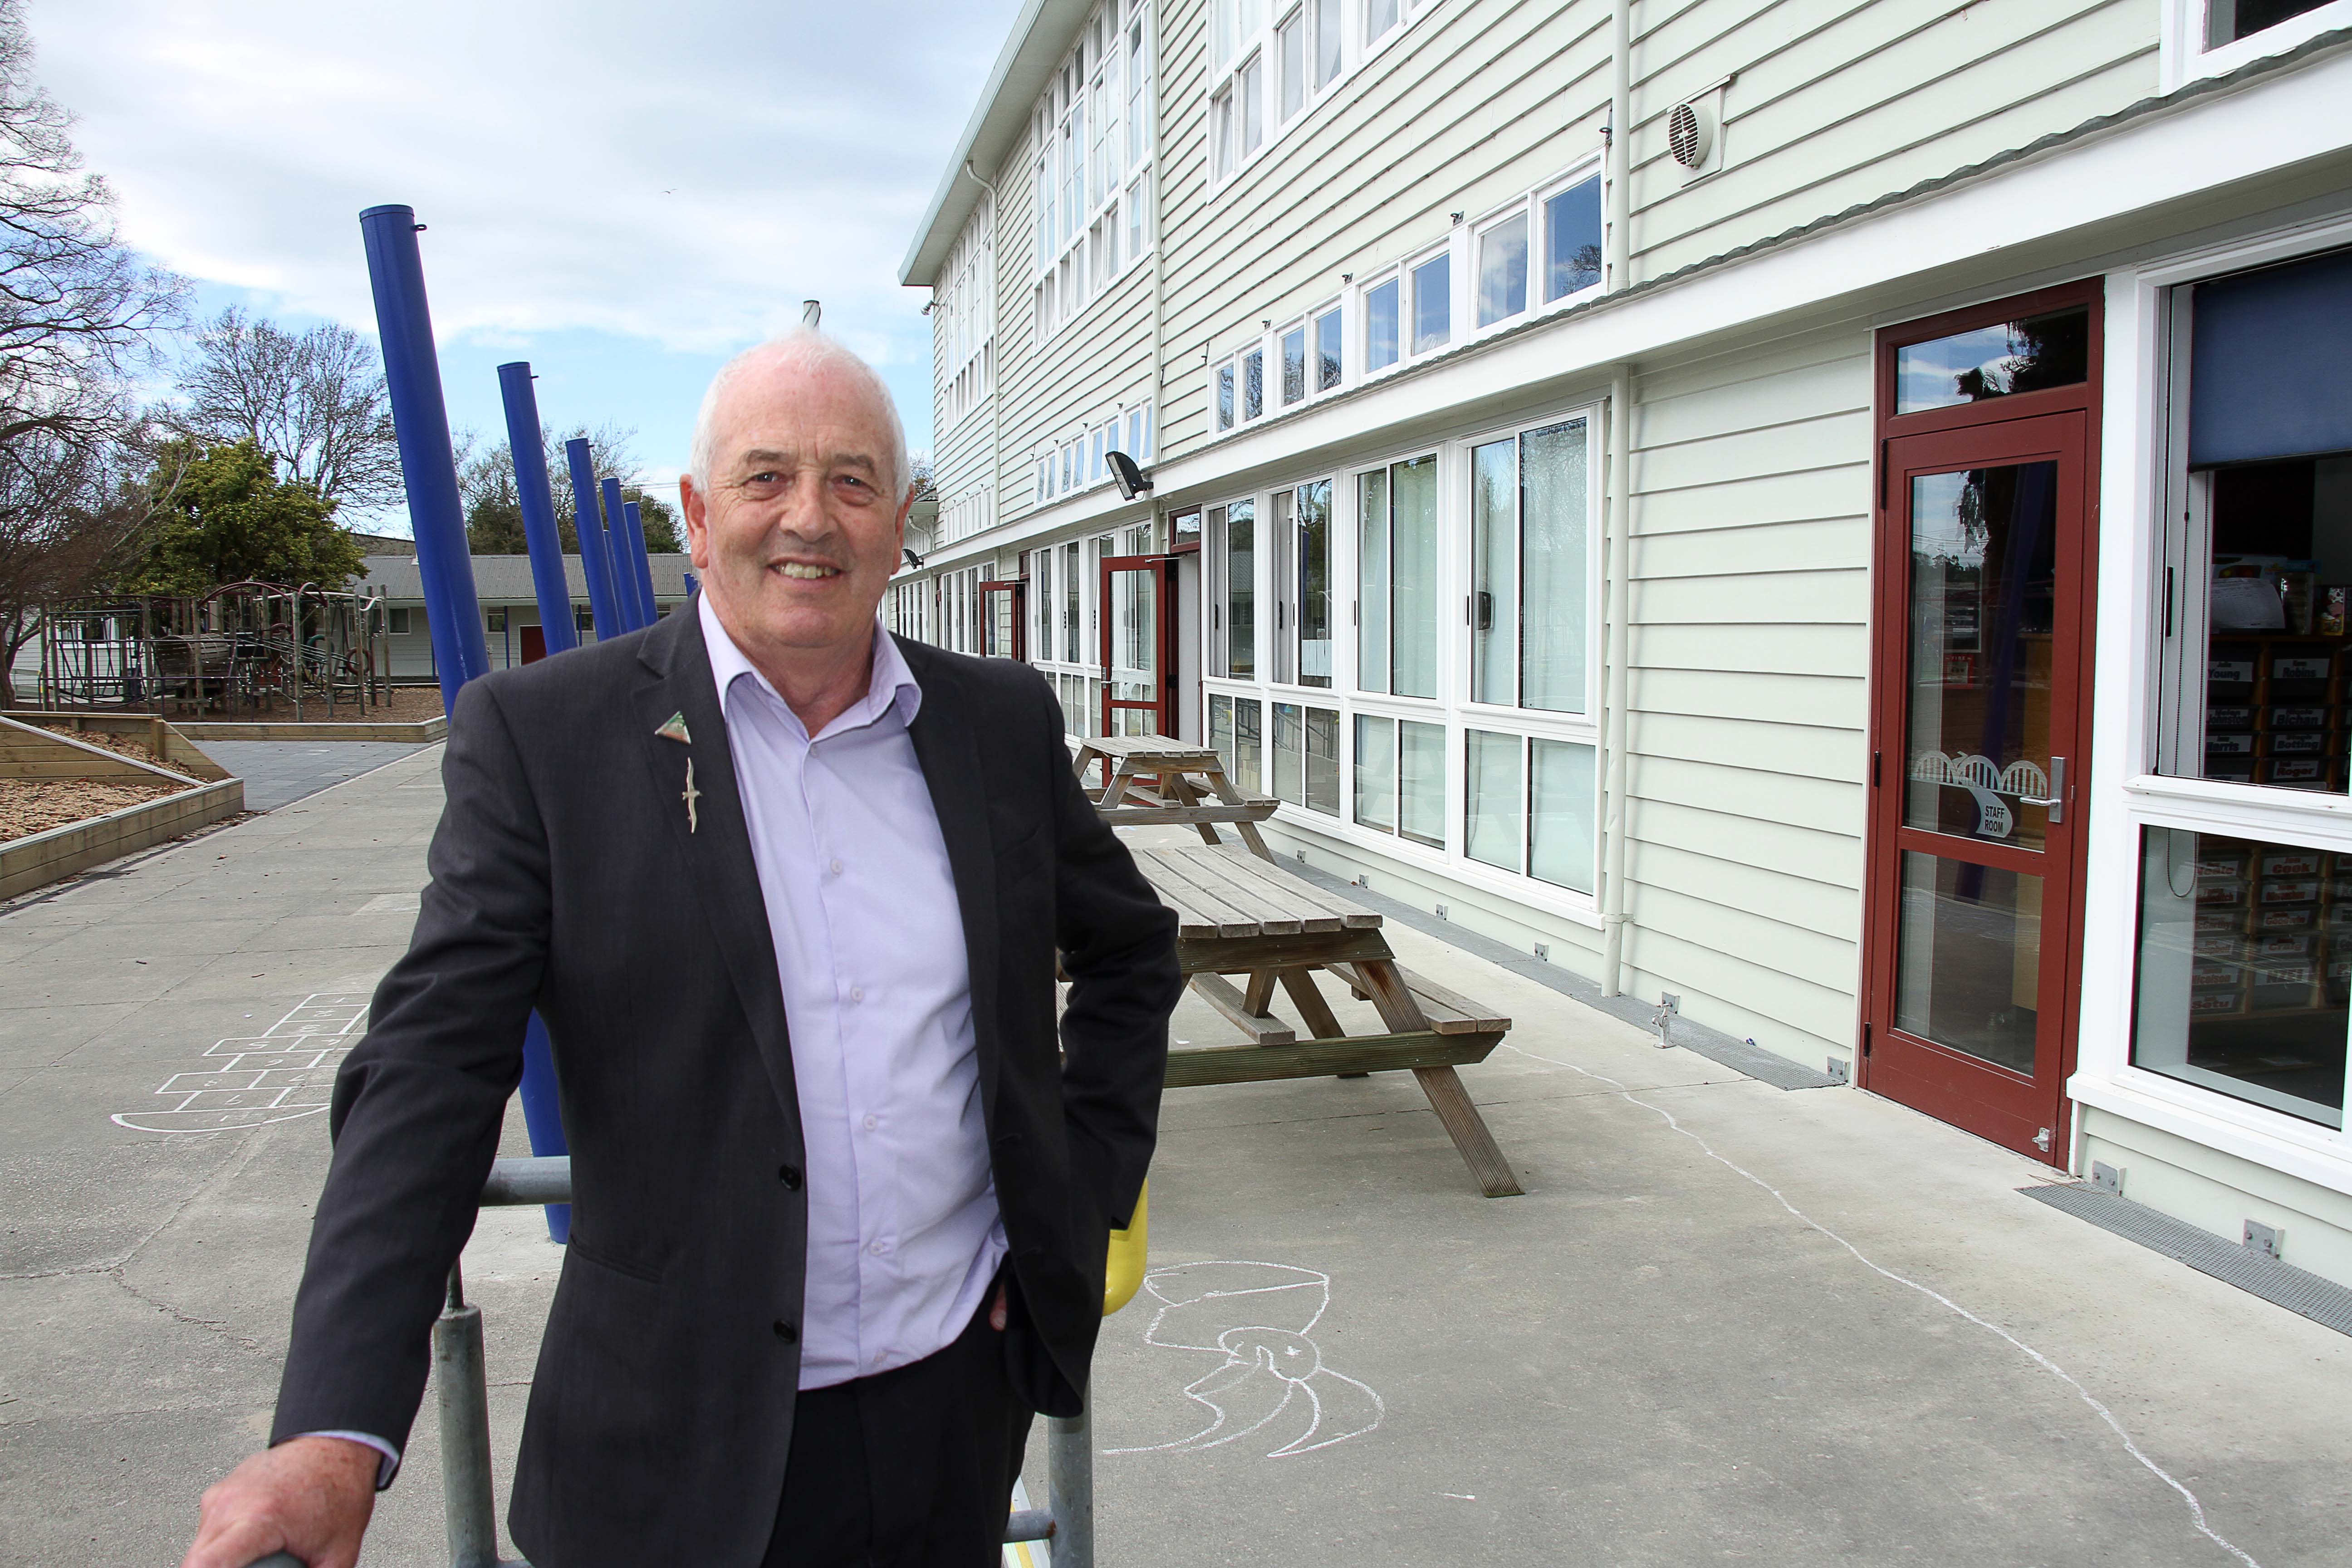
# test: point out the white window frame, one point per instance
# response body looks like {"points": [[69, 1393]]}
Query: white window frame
{"points": [[2126, 795], [1078, 462], [1451, 709], [964, 321], [2184, 57], [1260, 43], [1082, 140]]}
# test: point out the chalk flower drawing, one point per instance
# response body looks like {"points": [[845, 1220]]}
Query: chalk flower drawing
{"points": [[1270, 1383]]}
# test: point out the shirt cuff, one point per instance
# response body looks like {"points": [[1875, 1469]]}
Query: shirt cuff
{"points": [[387, 1467]]}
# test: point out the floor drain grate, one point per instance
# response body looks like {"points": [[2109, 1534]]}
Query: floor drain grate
{"points": [[2324, 1301]]}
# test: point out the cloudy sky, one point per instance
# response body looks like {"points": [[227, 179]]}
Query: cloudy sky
{"points": [[621, 193]]}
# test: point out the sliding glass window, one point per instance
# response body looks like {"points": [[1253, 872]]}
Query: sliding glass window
{"points": [[1530, 565], [1233, 587], [1397, 572]]}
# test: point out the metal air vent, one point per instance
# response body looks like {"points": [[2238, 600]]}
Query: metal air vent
{"points": [[1695, 131], [1689, 135]]}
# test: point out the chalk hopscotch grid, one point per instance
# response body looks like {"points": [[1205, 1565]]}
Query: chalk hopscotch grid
{"points": [[285, 1072]]}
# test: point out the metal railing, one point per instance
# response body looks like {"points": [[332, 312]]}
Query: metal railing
{"points": [[460, 1374]]}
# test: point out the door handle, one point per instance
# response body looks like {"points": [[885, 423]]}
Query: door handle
{"points": [[2057, 799]]}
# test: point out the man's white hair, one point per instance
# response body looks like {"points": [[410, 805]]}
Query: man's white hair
{"points": [[806, 350]]}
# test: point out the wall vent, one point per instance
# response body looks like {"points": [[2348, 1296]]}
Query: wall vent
{"points": [[1695, 131], [1690, 134]]}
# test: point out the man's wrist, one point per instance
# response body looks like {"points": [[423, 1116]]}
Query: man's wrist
{"points": [[387, 1456]]}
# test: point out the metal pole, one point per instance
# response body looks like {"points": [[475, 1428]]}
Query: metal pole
{"points": [[1070, 1471], [539, 533], [462, 1380], [542, 1114], [603, 607], [428, 464], [643, 558], [625, 563]]}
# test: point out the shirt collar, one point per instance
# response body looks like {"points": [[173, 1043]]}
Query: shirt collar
{"points": [[893, 685]]}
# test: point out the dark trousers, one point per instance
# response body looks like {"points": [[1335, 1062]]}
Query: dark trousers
{"points": [[912, 1466]]}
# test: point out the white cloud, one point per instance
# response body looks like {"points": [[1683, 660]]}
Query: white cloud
{"points": [[685, 174]]}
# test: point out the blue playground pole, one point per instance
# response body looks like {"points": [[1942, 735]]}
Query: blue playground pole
{"points": [[624, 559], [539, 530], [428, 464], [637, 517], [595, 561], [452, 615]]}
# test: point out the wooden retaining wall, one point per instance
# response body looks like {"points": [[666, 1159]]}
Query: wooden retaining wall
{"points": [[27, 752], [164, 741], [29, 863]]}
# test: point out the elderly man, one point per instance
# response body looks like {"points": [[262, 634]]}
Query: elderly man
{"points": [[788, 893]]}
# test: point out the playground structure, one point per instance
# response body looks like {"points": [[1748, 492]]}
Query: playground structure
{"points": [[245, 647]]}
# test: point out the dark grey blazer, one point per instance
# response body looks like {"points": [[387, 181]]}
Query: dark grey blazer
{"points": [[564, 877]]}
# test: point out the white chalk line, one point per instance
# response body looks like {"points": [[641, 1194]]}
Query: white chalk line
{"points": [[2196, 1509]]}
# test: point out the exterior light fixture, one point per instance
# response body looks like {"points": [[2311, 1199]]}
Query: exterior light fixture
{"points": [[1132, 481]]}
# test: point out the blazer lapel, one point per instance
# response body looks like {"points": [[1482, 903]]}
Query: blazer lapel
{"points": [[708, 831], [949, 751]]}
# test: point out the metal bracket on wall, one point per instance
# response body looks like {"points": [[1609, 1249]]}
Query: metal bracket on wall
{"points": [[1840, 1069], [1669, 1004], [2268, 1240], [2107, 1178]]}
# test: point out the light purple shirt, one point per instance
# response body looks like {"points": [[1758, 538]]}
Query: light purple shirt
{"points": [[904, 1233]]}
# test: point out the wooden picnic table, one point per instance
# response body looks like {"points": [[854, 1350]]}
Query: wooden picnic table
{"points": [[1241, 916], [1189, 787]]}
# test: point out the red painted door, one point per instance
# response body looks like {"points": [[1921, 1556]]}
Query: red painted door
{"points": [[1978, 759], [1138, 620]]}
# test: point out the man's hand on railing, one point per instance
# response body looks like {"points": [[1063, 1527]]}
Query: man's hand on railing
{"points": [[308, 1496]]}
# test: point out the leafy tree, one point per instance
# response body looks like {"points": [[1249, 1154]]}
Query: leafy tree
{"points": [[315, 401], [230, 519]]}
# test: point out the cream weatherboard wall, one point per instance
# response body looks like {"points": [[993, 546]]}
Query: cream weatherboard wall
{"points": [[1835, 103], [1465, 105], [1745, 691]]}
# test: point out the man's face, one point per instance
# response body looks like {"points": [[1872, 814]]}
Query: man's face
{"points": [[798, 535]]}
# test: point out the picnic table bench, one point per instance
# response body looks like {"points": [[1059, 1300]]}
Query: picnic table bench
{"points": [[1188, 787], [1237, 915]]}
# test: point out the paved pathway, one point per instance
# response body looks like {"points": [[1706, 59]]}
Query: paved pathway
{"points": [[278, 772], [1727, 1323]]}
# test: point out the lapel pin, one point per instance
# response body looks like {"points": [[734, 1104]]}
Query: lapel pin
{"points": [[690, 795], [674, 729]]}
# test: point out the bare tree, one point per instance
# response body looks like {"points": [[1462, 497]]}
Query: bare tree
{"points": [[74, 516], [313, 400], [79, 319], [79, 311]]}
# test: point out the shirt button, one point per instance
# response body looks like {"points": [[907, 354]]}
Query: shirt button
{"points": [[878, 1248], [872, 1123], [857, 993], [786, 1333], [836, 867], [790, 1175]]}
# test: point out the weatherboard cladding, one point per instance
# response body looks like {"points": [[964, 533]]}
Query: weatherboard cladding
{"points": [[1749, 642], [1750, 485], [1834, 105], [1047, 388], [1471, 104]]}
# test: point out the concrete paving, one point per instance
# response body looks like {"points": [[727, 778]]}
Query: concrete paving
{"points": [[278, 772], [1728, 1323]]}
